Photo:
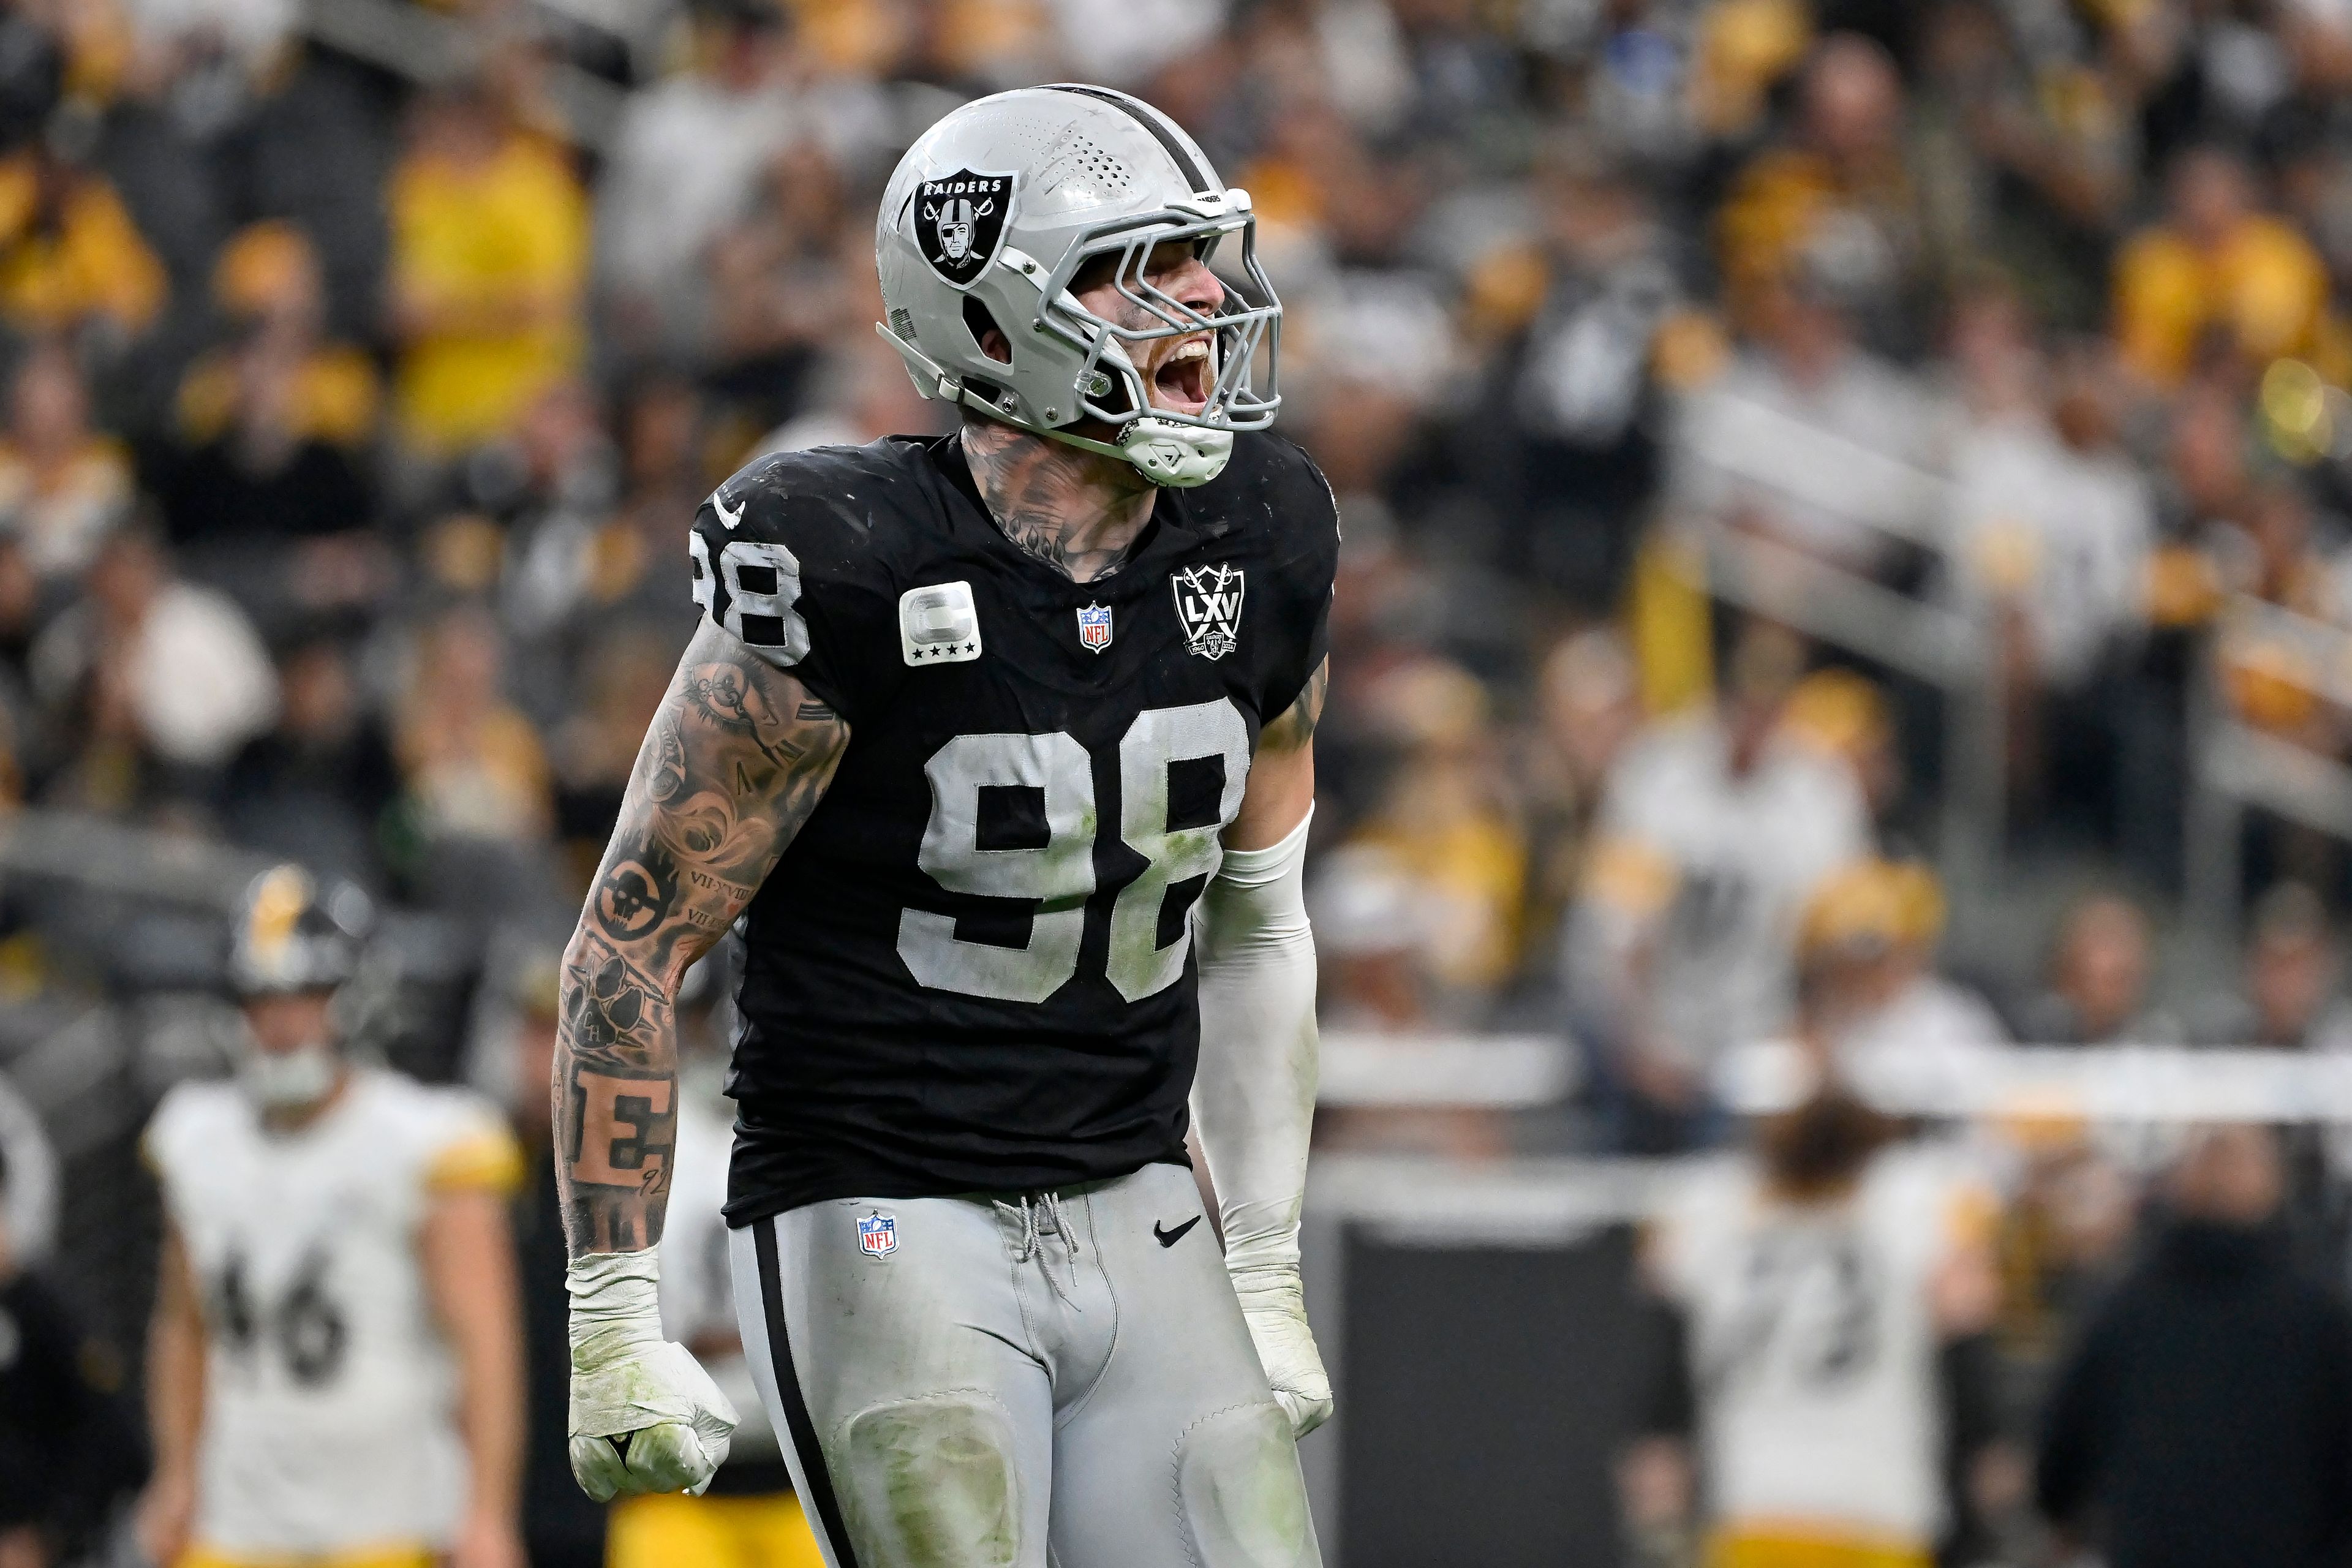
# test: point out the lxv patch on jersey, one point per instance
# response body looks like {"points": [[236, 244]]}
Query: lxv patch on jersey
{"points": [[1209, 608], [938, 625]]}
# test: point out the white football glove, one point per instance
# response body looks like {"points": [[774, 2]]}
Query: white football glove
{"points": [[1273, 1305], [645, 1417]]}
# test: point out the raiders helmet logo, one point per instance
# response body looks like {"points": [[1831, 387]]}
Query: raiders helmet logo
{"points": [[960, 223]]}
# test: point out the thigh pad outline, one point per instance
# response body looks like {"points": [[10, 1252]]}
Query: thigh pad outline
{"points": [[931, 1481], [1240, 1495]]}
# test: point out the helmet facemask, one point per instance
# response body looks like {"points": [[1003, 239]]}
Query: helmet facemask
{"points": [[1171, 446]]}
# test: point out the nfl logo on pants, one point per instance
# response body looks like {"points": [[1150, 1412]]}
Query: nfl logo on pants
{"points": [[877, 1235]]}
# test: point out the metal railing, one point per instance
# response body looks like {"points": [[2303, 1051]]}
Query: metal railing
{"points": [[2235, 766], [427, 49], [1944, 645]]}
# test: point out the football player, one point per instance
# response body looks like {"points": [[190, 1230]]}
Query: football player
{"points": [[998, 744], [334, 1372], [1833, 1291]]}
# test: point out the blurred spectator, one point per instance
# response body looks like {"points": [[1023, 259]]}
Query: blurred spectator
{"points": [[861, 397], [265, 479], [1870, 932], [2025, 155], [2218, 272], [1381, 947], [209, 49], [785, 280], [473, 764], [1714, 831], [2289, 999], [685, 159], [2205, 1415], [1808, 439], [70, 1447], [1838, 202], [489, 232], [1844, 715], [595, 752], [2052, 527], [1587, 708], [2099, 967], [555, 485], [1443, 823], [179, 664], [1592, 301], [62, 484], [268, 283], [70, 257], [316, 789]]}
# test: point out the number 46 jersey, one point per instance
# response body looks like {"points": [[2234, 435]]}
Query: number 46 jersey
{"points": [[329, 1425], [973, 969]]}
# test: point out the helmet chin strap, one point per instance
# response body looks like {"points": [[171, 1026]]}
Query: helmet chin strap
{"points": [[1172, 456]]}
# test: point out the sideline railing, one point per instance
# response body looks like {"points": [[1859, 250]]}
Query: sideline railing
{"points": [[2234, 765], [1741, 447], [410, 41]]}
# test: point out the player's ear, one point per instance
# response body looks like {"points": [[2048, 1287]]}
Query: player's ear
{"points": [[982, 325]]}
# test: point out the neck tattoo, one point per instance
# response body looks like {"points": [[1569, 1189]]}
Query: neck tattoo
{"points": [[1077, 511]]}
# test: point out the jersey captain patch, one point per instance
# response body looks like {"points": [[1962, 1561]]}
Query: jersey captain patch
{"points": [[938, 624], [1209, 608]]}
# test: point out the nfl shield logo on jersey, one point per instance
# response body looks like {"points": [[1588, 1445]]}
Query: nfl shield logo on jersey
{"points": [[1093, 627], [877, 1235], [1209, 607]]}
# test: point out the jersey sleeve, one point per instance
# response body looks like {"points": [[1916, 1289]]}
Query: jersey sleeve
{"points": [[783, 560], [160, 1145], [467, 1148], [1306, 562]]}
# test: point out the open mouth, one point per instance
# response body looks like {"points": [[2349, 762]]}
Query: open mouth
{"points": [[1183, 381]]}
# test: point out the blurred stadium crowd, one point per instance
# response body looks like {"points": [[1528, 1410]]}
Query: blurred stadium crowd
{"points": [[355, 412]]}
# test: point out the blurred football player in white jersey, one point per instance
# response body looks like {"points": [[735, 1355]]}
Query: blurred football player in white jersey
{"points": [[1832, 1290], [1713, 831], [335, 1367]]}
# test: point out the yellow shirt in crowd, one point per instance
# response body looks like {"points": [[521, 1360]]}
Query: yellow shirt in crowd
{"points": [[2264, 285], [497, 254], [90, 261]]}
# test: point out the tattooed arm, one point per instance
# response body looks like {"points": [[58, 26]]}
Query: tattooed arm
{"points": [[1282, 774], [739, 755], [737, 758]]}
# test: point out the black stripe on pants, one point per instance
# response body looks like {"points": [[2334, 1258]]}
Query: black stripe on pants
{"points": [[821, 1498]]}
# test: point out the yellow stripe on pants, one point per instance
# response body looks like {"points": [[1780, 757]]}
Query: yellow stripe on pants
{"points": [[375, 1557], [1778, 1548], [679, 1531]]}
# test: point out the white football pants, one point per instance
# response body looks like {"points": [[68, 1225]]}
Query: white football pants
{"points": [[1020, 1381]]}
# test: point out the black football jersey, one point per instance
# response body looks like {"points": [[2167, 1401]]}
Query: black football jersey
{"points": [[973, 969]]}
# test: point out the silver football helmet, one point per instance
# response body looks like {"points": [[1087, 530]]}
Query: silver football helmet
{"points": [[994, 211]]}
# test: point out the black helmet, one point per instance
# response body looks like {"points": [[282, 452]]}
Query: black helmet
{"points": [[292, 936]]}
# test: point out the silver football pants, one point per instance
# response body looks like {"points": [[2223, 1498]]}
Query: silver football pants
{"points": [[1019, 1381]]}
